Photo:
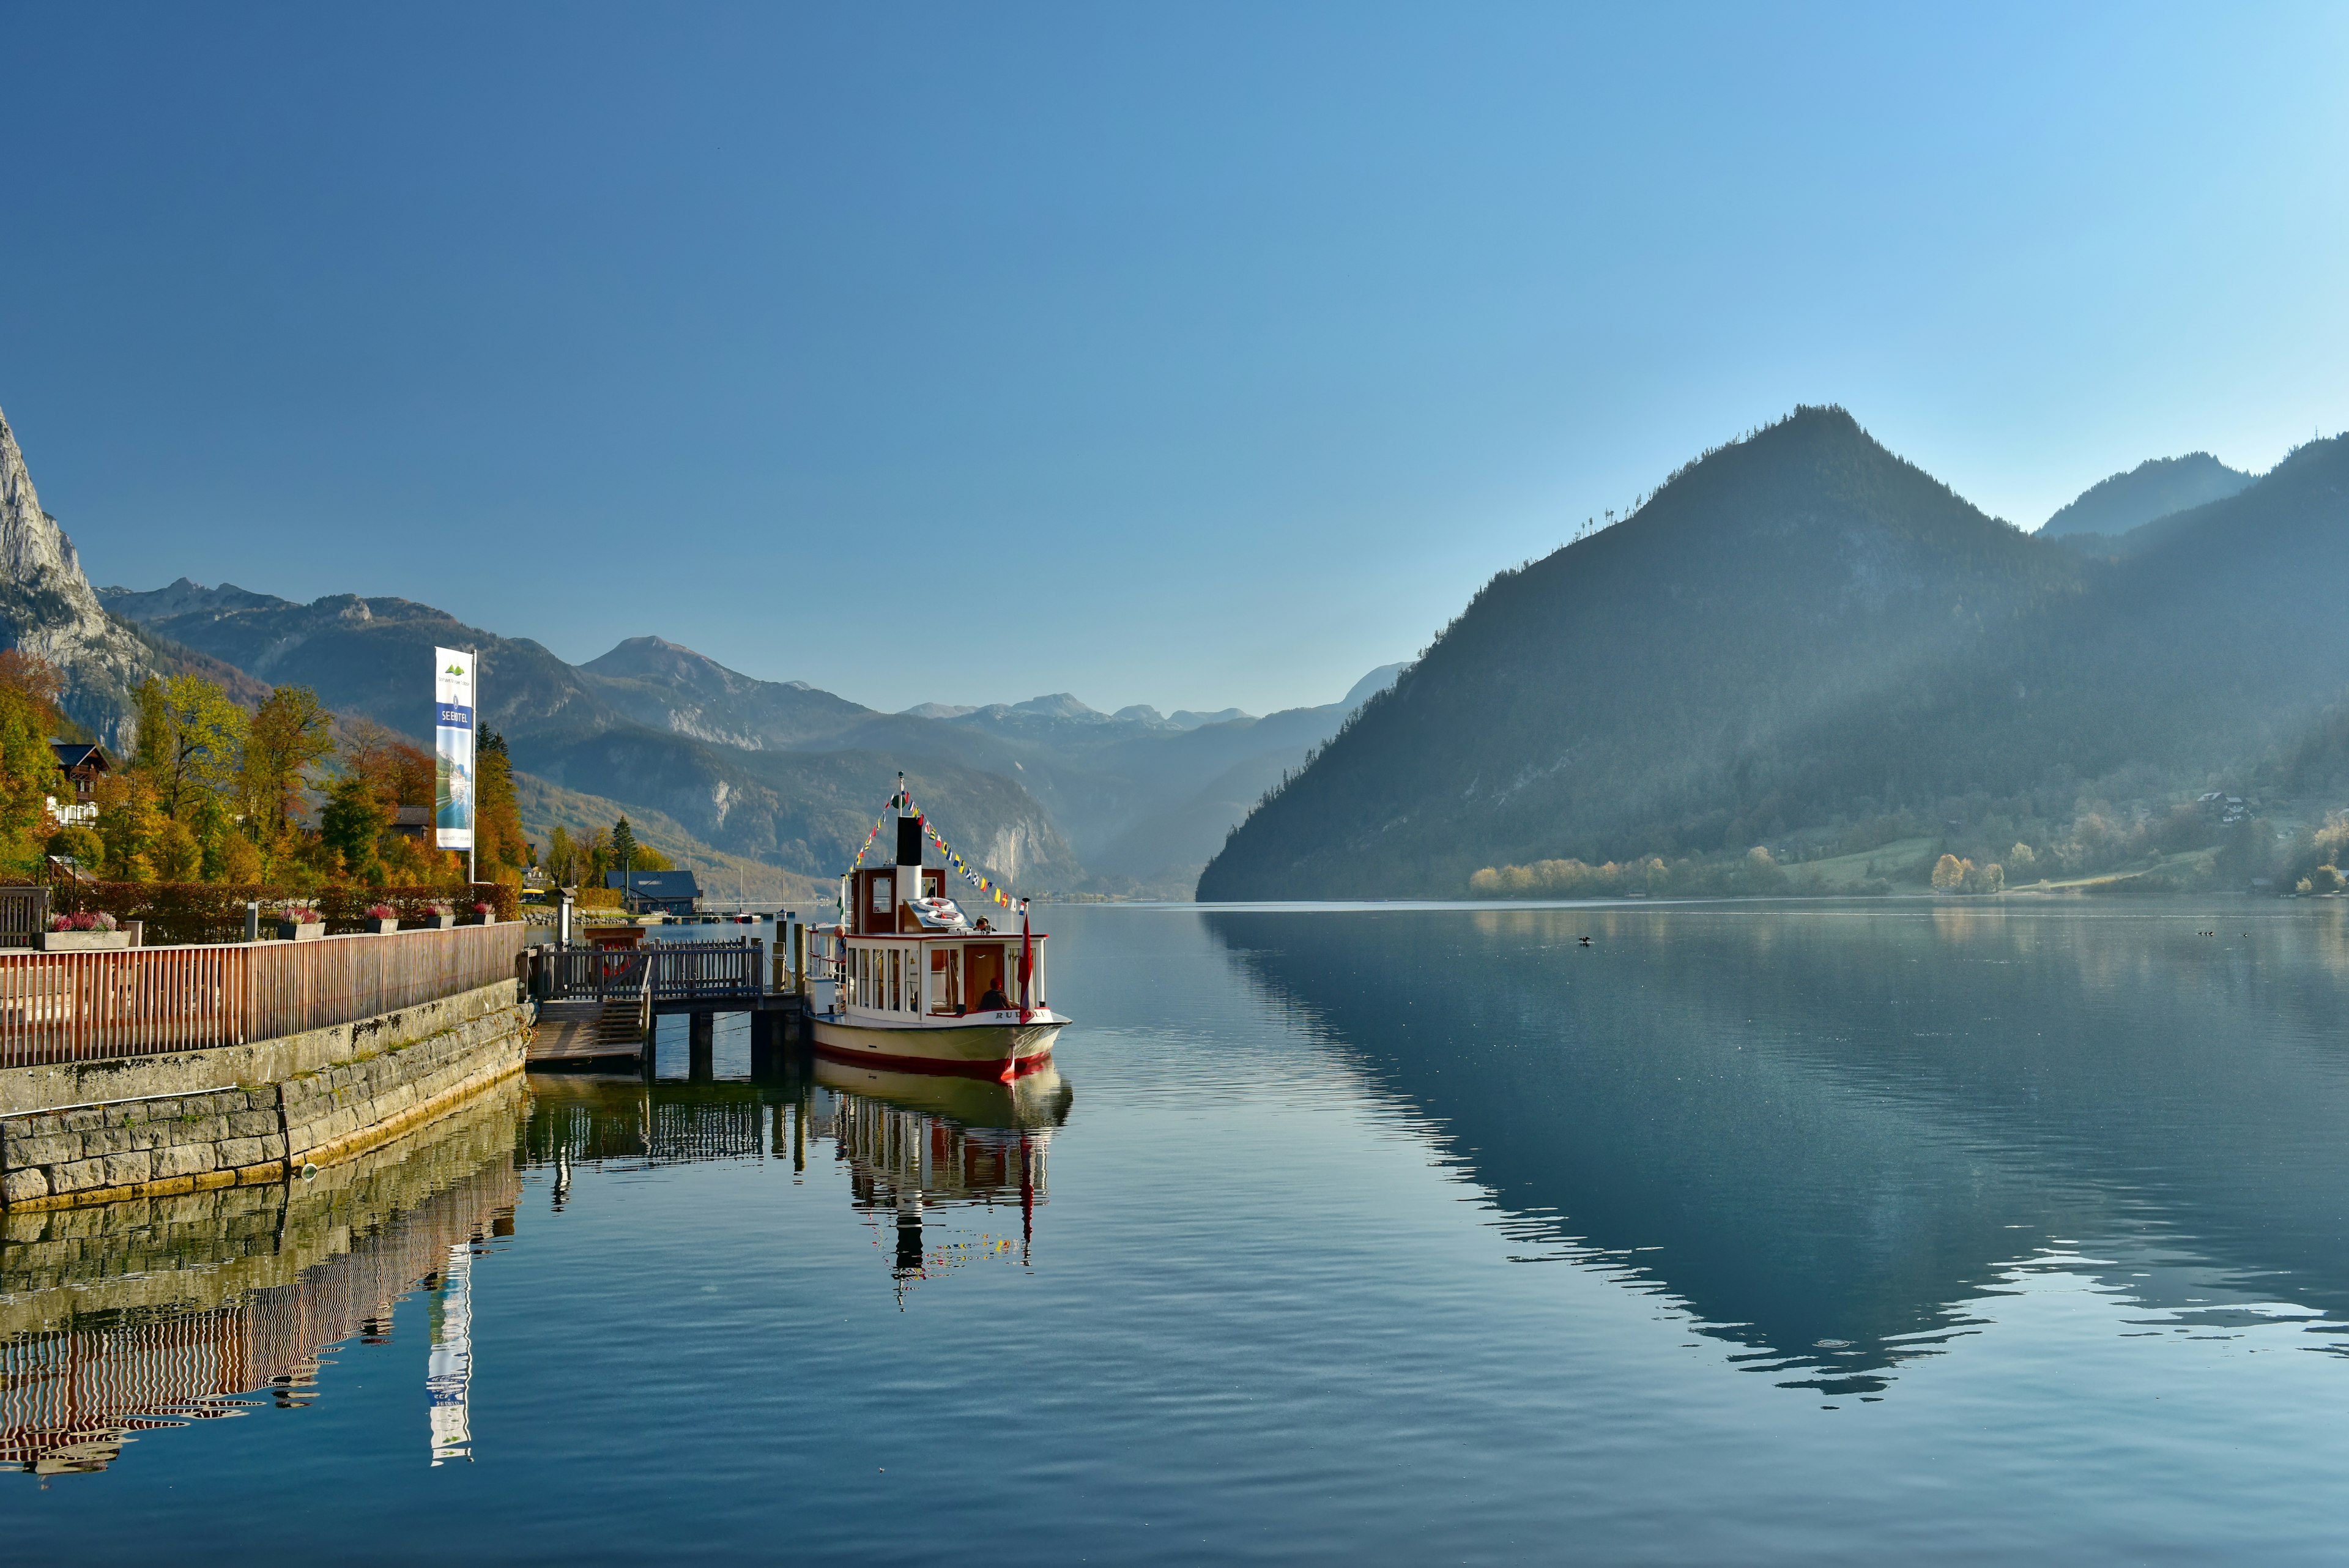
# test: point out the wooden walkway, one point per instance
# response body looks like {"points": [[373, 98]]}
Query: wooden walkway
{"points": [[590, 1034]]}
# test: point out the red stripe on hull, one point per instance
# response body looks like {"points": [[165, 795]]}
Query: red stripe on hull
{"points": [[935, 1065]]}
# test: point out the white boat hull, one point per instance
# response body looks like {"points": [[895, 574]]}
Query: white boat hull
{"points": [[975, 1049]]}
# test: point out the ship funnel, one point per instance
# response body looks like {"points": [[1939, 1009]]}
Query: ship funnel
{"points": [[909, 830]]}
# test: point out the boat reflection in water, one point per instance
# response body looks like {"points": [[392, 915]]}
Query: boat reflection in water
{"points": [[916, 1143], [918, 1146], [121, 1318]]}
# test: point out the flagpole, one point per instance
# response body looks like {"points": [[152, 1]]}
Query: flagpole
{"points": [[472, 866]]}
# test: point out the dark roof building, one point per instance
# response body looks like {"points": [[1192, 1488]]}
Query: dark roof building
{"points": [[670, 892], [82, 762]]}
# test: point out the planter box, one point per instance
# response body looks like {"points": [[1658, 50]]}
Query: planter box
{"points": [[488, 919], [303, 931], [380, 928], [440, 922], [84, 942]]}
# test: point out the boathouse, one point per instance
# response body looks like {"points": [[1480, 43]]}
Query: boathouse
{"points": [[665, 892]]}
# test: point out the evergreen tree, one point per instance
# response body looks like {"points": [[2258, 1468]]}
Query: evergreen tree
{"points": [[501, 852], [352, 826]]}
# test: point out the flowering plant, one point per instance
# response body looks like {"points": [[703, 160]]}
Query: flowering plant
{"points": [[300, 914], [382, 912], [438, 910], [485, 908], [83, 922]]}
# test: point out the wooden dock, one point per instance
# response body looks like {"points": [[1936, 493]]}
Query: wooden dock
{"points": [[597, 1005], [590, 1035]]}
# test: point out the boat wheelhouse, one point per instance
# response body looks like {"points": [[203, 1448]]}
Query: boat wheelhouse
{"points": [[910, 983]]}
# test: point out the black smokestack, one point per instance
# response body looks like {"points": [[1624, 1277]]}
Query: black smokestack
{"points": [[909, 842]]}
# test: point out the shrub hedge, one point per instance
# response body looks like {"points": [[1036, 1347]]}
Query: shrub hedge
{"points": [[178, 912]]}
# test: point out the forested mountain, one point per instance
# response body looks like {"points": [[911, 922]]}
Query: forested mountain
{"points": [[1801, 634], [780, 770], [2154, 488]]}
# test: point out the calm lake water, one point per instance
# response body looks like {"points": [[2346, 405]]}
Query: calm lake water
{"points": [[1744, 1233]]}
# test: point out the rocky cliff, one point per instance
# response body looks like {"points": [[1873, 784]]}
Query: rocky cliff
{"points": [[47, 608]]}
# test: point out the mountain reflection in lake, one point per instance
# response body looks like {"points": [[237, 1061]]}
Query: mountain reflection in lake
{"points": [[1904, 1230], [1829, 1132]]}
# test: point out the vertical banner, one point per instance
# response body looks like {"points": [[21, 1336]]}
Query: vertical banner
{"points": [[452, 748]]}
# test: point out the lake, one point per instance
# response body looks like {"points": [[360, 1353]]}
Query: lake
{"points": [[1800, 1232]]}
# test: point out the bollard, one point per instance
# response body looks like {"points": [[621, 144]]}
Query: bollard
{"points": [[253, 921]]}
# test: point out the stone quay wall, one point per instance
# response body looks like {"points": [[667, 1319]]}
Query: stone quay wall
{"points": [[193, 1120]]}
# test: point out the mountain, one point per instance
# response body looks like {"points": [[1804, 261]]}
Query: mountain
{"points": [[2152, 489], [544, 806], [667, 687], [1802, 641], [780, 771], [1782, 635], [48, 608], [1141, 799], [580, 730]]}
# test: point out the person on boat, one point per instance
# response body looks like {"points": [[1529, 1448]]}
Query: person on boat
{"points": [[995, 1001]]}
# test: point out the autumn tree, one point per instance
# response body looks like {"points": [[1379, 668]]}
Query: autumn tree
{"points": [[561, 857], [40, 682], [595, 858], [130, 823], [291, 733], [1949, 874], [191, 741], [399, 771], [28, 775]]}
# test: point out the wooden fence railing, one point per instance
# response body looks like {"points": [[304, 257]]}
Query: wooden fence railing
{"points": [[140, 1002], [23, 914], [673, 971]]}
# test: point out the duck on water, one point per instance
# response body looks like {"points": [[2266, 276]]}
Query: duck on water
{"points": [[905, 981]]}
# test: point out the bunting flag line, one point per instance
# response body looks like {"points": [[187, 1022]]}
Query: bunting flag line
{"points": [[961, 867], [878, 823]]}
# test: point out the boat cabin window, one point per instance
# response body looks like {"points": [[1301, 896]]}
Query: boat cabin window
{"points": [[946, 982]]}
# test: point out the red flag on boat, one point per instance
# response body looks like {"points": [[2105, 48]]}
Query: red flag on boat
{"points": [[1027, 961]]}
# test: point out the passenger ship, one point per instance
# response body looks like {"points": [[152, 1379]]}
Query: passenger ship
{"points": [[910, 983]]}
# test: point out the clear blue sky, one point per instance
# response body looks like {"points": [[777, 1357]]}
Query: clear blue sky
{"points": [[1209, 354]]}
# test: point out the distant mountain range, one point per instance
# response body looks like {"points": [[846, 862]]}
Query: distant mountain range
{"points": [[1050, 794], [731, 772], [1799, 638], [1800, 633]]}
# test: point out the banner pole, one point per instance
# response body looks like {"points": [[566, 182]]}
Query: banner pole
{"points": [[472, 866]]}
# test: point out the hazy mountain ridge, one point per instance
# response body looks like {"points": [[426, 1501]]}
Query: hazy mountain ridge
{"points": [[2154, 488], [1802, 630]]}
